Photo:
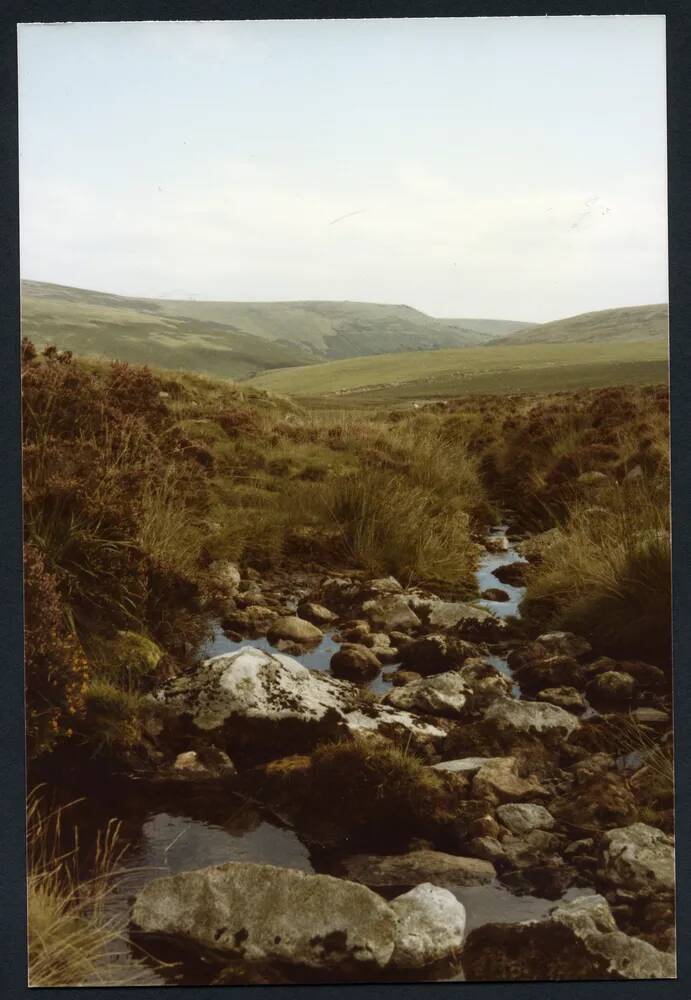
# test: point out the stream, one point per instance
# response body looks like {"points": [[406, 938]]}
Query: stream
{"points": [[192, 832]]}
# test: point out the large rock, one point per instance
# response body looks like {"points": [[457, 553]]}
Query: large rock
{"points": [[430, 925], [224, 578], [551, 672], [265, 914], [512, 573], [498, 780], [401, 870], [269, 705], [467, 619], [294, 629], [391, 612], [315, 613], [638, 857], [355, 662], [485, 682], [611, 688], [564, 643], [445, 695], [465, 765], [434, 654], [524, 817], [564, 697], [578, 940], [531, 717]]}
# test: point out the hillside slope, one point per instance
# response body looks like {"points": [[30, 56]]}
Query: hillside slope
{"points": [[506, 368], [253, 336], [95, 324], [607, 325]]}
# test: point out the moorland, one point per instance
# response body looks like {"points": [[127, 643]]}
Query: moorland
{"points": [[391, 635]]}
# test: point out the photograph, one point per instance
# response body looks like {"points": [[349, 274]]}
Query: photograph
{"points": [[346, 501]]}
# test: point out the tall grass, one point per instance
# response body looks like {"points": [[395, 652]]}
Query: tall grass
{"points": [[609, 577], [73, 939]]}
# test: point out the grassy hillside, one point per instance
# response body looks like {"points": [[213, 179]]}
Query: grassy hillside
{"points": [[605, 326], [95, 324], [489, 328], [502, 369], [252, 336]]}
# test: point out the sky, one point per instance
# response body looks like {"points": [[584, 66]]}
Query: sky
{"points": [[507, 168]]}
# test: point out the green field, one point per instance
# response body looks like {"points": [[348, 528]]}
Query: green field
{"points": [[498, 369]]}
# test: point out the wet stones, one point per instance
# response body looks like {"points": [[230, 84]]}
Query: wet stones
{"points": [[355, 662], [610, 688], [530, 717], [430, 926], [498, 780], [494, 594], [578, 940], [399, 870], [564, 644], [294, 629], [317, 614], [436, 653], [565, 697], [524, 817], [512, 573], [444, 694]]}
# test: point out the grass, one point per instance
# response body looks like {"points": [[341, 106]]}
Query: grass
{"points": [[73, 939], [499, 369], [605, 325]]}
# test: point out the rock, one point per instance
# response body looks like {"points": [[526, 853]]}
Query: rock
{"points": [[578, 940], [401, 677], [430, 925], [484, 826], [224, 577], [465, 618], [466, 765], [564, 644], [494, 594], [444, 694], [534, 548], [596, 803], [635, 473], [436, 653], [252, 620], [294, 629], [512, 573], [498, 781], [567, 698], [355, 663], [267, 704], [206, 765], [525, 655], [317, 614], [391, 612], [610, 688], [532, 849], [394, 870], [485, 682], [265, 914], [526, 717], [488, 848], [553, 671], [638, 857], [524, 817], [650, 717], [496, 543]]}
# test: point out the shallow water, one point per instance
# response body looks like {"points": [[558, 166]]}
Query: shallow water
{"points": [[485, 577]]}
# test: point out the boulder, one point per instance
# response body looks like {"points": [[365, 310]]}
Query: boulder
{"points": [[537, 848], [498, 780], [400, 870], [564, 644], [224, 578], [294, 629], [252, 620], [531, 717], [611, 688], [485, 682], [534, 548], [261, 913], [444, 694], [434, 654], [524, 817], [205, 765], [355, 662], [596, 803], [494, 594], [268, 705], [496, 543], [391, 612], [401, 677], [564, 697], [578, 940], [512, 573], [466, 619], [638, 857], [466, 765], [553, 671], [430, 925], [317, 614]]}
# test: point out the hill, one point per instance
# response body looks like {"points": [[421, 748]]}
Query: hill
{"points": [[605, 326], [489, 328], [497, 370], [241, 337], [95, 324]]}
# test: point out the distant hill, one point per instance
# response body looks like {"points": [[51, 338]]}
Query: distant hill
{"points": [[605, 326], [234, 339], [489, 328], [112, 326]]}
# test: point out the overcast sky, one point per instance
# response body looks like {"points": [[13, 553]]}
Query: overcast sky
{"points": [[511, 168]]}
